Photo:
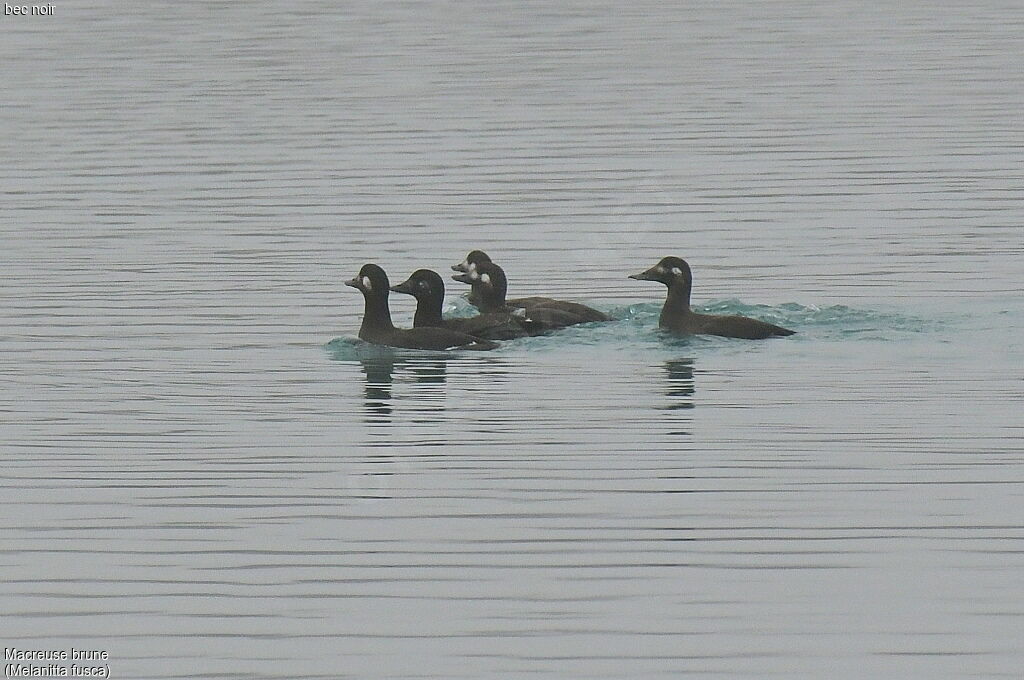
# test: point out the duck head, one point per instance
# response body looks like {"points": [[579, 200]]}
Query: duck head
{"points": [[422, 284], [671, 271], [488, 282], [472, 261], [371, 280]]}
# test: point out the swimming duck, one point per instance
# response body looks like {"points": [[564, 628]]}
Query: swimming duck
{"points": [[677, 317], [583, 312], [489, 285], [378, 329], [428, 288]]}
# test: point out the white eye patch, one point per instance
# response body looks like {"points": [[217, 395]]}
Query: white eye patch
{"points": [[366, 283], [486, 278], [659, 269], [677, 271], [469, 265]]}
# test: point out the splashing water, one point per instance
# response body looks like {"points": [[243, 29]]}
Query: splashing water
{"points": [[635, 327]]}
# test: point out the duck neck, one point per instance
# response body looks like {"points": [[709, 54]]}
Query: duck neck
{"points": [[376, 314], [428, 312], [492, 301], [678, 301]]}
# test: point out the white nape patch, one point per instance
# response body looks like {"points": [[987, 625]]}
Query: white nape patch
{"points": [[677, 271], [486, 278], [366, 283], [473, 275]]}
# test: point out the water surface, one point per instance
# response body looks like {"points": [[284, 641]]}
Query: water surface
{"points": [[204, 475]]}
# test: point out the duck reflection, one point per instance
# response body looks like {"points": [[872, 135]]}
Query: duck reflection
{"points": [[379, 371], [679, 383]]}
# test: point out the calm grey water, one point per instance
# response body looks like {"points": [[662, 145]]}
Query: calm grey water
{"points": [[206, 477]]}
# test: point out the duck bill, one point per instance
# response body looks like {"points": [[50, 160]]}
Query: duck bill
{"points": [[642, 276], [403, 287], [460, 267], [353, 282], [463, 278]]}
